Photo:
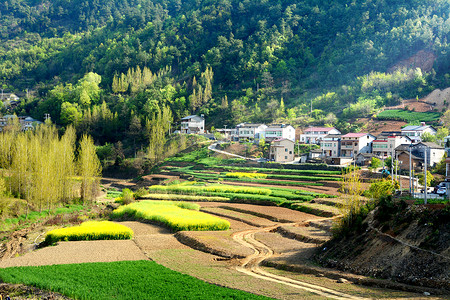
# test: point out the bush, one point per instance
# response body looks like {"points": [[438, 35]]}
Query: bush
{"points": [[127, 196]]}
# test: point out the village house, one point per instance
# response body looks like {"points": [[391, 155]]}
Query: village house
{"points": [[282, 150], [251, 132], [354, 143], [193, 124], [415, 132], [278, 131], [402, 153], [384, 146], [314, 135], [26, 123], [331, 145], [433, 150]]}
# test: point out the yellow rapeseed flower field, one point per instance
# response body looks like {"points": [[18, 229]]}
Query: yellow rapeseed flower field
{"points": [[245, 175], [172, 214], [90, 230]]}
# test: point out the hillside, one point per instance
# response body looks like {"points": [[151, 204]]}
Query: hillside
{"points": [[407, 244], [232, 61]]}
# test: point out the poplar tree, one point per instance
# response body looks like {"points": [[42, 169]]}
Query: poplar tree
{"points": [[89, 168]]}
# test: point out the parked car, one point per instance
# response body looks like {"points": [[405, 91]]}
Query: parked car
{"points": [[429, 190], [442, 191]]}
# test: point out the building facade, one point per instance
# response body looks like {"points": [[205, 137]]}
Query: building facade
{"points": [[279, 131], [281, 150], [331, 145], [251, 132], [384, 146], [193, 124], [354, 143], [314, 135]]}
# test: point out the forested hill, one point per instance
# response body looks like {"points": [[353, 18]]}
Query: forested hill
{"points": [[231, 60]]}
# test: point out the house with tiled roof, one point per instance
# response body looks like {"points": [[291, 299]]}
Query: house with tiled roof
{"points": [[354, 143], [313, 135], [414, 132]]}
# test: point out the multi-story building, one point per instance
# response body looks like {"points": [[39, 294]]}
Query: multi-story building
{"points": [[433, 150], [193, 124], [314, 135], [279, 131], [384, 146], [354, 143], [281, 150], [331, 145], [415, 132], [251, 132]]}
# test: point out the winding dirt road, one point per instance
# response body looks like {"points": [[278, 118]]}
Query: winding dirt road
{"points": [[251, 266]]}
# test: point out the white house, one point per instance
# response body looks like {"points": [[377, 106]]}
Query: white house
{"points": [[354, 143], [384, 146], [278, 131], [414, 132], [314, 135], [193, 124], [251, 132], [331, 145], [282, 150], [434, 152]]}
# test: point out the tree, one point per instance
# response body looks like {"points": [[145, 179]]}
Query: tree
{"points": [[430, 178], [89, 168], [428, 137]]}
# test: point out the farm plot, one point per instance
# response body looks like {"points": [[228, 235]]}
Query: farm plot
{"points": [[175, 215], [270, 176], [119, 280], [91, 230], [263, 196], [408, 116]]}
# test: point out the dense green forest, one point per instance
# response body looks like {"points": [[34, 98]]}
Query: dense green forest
{"points": [[109, 67]]}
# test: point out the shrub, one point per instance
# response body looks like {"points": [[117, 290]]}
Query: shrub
{"points": [[127, 196], [90, 230]]}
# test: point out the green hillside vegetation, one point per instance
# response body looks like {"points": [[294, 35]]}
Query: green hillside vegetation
{"points": [[408, 116], [110, 68]]}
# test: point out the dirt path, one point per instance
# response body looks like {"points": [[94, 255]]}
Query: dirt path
{"points": [[251, 266]]}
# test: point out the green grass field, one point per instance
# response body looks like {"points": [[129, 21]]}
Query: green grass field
{"points": [[408, 116], [119, 280]]}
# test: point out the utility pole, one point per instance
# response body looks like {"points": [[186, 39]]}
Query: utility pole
{"points": [[425, 178], [410, 182]]}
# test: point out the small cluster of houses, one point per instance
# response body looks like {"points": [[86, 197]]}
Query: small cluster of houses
{"points": [[335, 148], [25, 122], [342, 149]]}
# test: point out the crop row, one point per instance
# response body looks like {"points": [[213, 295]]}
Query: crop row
{"points": [[187, 189], [171, 215], [177, 197], [286, 171], [245, 175], [90, 230]]}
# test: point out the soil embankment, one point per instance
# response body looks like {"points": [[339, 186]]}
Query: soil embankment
{"points": [[409, 245]]}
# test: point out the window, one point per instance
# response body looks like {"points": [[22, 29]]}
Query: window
{"points": [[290, 152], [285, 157], [285, 150]]}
